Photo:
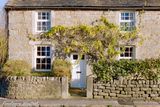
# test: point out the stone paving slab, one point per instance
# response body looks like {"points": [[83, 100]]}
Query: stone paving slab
{"points": [[146, 104], [80, 102], [73, 103]]}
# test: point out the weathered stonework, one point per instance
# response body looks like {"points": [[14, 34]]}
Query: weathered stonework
{"points": [[34, 87], [149, 26], [121, 89], [22, 23], [20, 26]]}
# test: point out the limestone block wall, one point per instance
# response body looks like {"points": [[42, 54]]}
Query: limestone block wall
{"points": [[22, 23], [121, 89], [20, 27], [34, 87], [77, 17], [149, 25]]}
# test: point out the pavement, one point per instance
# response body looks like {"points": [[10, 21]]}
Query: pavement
{"points": [[83, 102]]}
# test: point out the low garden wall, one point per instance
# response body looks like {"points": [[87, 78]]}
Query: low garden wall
{"points": [[34, 87], [124, 88]]}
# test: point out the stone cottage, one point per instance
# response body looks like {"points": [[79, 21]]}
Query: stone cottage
{"points": [[27, 17]]}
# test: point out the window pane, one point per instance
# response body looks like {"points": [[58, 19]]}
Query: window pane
{"points": [[43, 66], [48, 66], [131, 16], [48, 60], [48, 16], [43, 60], [48, 25], [43, 49], [38, 60], [126, 14], [48, 49], [122, 18], [48, 53], [83, 57], [43, 15], [39, 15], [44, 29], [75, 57], [38, 53], [126, 54], [126, 18], [124, 26], [131, 49], [39, 24], [127, 49], [121, 48], [132, 24], [44, 24], [38, 66], [43, 54], [122, 55], [38, 48], [39, 28], [122, 14]]}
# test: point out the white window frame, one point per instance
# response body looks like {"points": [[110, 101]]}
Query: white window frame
{"points": [[127, 21], [42, 20], [36, 56], [128, 57]]}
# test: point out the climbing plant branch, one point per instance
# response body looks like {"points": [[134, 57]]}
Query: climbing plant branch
{"points": [[99, 41]]}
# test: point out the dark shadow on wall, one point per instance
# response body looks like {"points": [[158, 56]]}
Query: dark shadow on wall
{"points": [[4, 86]]}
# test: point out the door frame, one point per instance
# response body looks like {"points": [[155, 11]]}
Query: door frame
{"points": [[84, 73]]}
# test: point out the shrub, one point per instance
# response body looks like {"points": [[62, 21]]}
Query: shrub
{"points": [[134, 69], [16, 68], [3, 50], [61, 68]]}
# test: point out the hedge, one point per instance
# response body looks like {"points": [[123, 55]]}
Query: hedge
{"points": [[134, 69]]}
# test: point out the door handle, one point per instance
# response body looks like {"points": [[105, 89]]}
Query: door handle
{"points": [[78, 72]]}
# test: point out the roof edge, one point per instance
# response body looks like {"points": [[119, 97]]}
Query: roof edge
{"points": [[83, 7]]}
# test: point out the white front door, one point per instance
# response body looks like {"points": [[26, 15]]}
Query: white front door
{"points": [[78, 71]]}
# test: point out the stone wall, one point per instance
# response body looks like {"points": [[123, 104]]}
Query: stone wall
{"points": [[121, 89], [34, 87], [19, 30], [20, 27]]}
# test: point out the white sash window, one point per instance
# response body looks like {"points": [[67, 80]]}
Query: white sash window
{"points": [[43, 58], [127, 21], [43, 21]]}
